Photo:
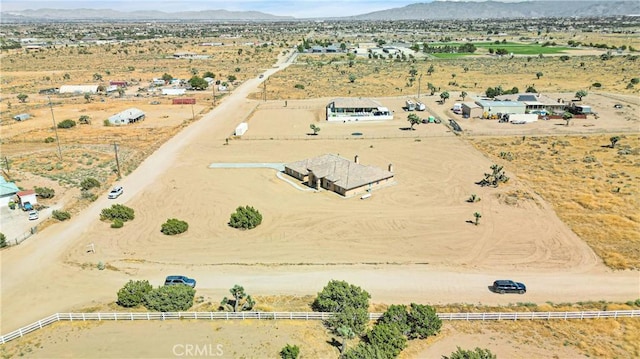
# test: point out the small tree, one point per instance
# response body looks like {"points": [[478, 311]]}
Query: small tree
{"points": [[67, 123], [210, 74], [430, 70], [45, 192], [413, 120], [539, 75], [614, 140], [345, 333], [444, 96], [118, 211], [494, 178], [580, 94], [245, 218], [89, 183], [97, 77], [423, 321], [238, 294], [473, 199], [85, 120], [60, 215], [477, 215], [478, 353], [170, 298], [3, 240], [174, 226], [166, 77], [567, 116], [87, 97], [198, 83], [314, 128], [352, 78], [133, 293], [463, 94], [349, 302], [290, 352], [387, 338], [22, 97]]}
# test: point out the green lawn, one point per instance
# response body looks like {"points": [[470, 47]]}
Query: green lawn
{"points": [[512, 47]]}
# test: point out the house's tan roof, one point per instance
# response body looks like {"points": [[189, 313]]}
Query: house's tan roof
{"points": [[352, 102], [342, 172]]}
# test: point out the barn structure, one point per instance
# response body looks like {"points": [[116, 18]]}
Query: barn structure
{"points": [[357, 109], [127, 116], [339, 175]]}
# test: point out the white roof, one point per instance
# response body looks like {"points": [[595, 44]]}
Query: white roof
{"points": [[78, 88]]}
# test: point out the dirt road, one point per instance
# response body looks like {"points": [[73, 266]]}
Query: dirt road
{"points": [[43, 276]]}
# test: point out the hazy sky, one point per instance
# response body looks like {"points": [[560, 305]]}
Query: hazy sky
{"points": [[299, 8]]}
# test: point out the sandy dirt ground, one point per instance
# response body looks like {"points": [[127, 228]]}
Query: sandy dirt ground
{"points": [[410, 242]]}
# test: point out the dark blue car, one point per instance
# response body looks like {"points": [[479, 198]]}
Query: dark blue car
{"points": [[180, 279], [508, 286]]}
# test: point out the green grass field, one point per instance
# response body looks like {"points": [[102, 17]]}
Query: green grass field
{"points": [[512, 47]]}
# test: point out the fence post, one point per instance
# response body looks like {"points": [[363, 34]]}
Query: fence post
{"points": [[162, 315], [148, 316], [131, 315], [483, 316], [548, 315], [83, 318], [227, 315], [565, 315], [99, 317], [615, 314], [581, 315]]}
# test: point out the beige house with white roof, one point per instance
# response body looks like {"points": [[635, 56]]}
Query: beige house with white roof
{"points": [[337, 174]]}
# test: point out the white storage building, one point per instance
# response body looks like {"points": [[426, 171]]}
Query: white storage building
{"points": [[127, 116], [174, 92], [78, 89], [241, 129]]}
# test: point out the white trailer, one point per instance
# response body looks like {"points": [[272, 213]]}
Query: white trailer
{"points": [[522, 118], [241, 129], [420, 106]]}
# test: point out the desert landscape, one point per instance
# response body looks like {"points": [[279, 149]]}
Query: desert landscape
{"points": [[565, 223]]}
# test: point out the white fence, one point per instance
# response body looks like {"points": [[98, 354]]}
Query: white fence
{"points": [[301, 316]]}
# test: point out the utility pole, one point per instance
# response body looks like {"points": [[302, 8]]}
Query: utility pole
{"points": [[214, 93], [193, 115], [419, 80], [264, 90], [55, 128], [115, 148], [6, 162]]}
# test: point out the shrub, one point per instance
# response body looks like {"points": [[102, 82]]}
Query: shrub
{"points": [[349, 302], [635, 80], [89, 183], [45, 192], [290, 352], [387, 338], [88, 195], [596, 84], [60, 215], [117, 211], [478, 353], [299, 86], [49, 140], [245, 218], [67, 124], [174, 226], [172, 298], [100, 266], [3, 240], [133, 293], [117, 223]]}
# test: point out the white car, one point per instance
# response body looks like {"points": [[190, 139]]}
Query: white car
{"points": [[116, 192], [33, 215]]}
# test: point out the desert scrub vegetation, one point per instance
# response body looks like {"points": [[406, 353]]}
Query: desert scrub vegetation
{"points": [[117, 212], [593, 188], [322, 75], [60, 215], [174, 226], [245, 217]]}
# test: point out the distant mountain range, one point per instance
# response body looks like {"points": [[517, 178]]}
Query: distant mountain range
{"points": [[437, 10]]}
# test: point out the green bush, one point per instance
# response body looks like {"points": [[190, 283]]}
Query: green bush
{"points": [[49, 140], [349, 302], [3, 240], [478, 353], [290, 352], [89, 183], [299, 86], [596, 84], [133, 293], [45, 192], [118, 211], [67, 124], [174, 226], [172, 298], [245, 218], [60, 215], [388, 338], [117, 223]]}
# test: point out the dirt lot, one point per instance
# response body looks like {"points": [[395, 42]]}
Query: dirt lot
{"points": [[409, 242]]}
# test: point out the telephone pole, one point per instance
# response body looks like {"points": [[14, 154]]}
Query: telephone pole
{"points": [[115, 148], [55, 128], [264, 90]]}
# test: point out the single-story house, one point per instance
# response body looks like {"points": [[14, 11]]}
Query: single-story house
{"points": [[22, 117], [127, 116], [357, 109], [490, 108], [78, 89], [536, 102], [27, 196], [8, 190], [339, 175]]}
